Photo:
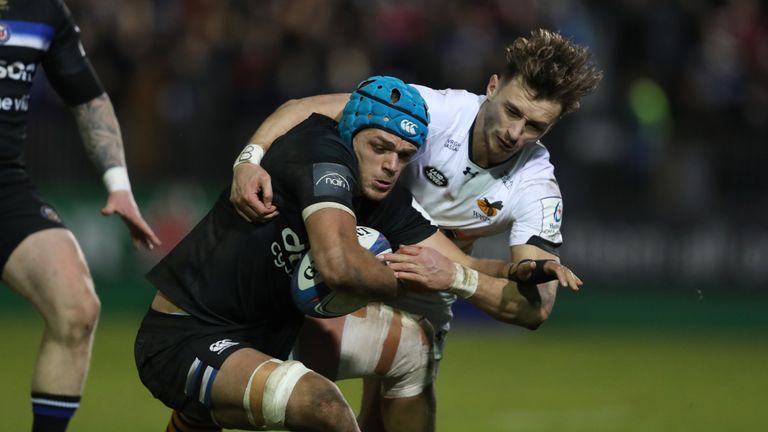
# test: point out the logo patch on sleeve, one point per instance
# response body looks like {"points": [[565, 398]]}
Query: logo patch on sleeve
{"points": [[552, 217], [332, 179]]}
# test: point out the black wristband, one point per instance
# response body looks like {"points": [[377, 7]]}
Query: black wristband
{"points": [[537, 276]]}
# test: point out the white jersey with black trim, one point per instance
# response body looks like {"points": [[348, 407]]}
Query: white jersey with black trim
{"points": [[467, 201]]}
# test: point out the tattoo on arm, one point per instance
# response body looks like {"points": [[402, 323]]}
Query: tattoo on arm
{"points": [[100, 132]]}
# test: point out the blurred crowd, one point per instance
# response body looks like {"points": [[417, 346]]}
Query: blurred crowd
{"points": [[677, 130]]}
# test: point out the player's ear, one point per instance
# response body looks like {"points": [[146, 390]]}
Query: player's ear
{"points": [[493, 85]]}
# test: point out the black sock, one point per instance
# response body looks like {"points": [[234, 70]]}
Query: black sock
{"points": [[52, 412]]}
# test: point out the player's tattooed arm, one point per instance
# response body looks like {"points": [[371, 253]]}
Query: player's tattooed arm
{"points": [[100, 131], [103, 142]]}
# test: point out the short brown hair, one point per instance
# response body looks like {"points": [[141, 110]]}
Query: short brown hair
{"points": [[553, 66]]}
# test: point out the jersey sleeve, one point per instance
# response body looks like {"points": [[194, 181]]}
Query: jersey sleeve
{"points": [[317, 174], [66, 65], [540, 217]]}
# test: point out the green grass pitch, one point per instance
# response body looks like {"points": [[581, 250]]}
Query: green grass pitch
{"points": [[493, 379]]}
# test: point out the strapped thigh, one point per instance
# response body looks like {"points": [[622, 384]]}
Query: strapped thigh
{"points": [[269, 387], [387, 343]]}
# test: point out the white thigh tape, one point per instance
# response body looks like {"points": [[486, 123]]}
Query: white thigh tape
{"points": [[413, 366], [362, 341], [247, 395], [278, 389]]}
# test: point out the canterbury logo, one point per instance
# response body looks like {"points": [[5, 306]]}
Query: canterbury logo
{"points": [[221, 345], [489, 208], [409, 127]]}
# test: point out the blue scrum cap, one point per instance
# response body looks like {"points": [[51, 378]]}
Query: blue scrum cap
{"points": [[386, 103]]}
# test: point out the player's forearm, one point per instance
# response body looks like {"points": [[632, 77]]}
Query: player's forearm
{"points": [[295, 111], [100, 132], [504, 300], [360, 274], [491, 267]]}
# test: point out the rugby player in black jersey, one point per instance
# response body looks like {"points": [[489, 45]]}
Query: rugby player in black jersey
{"points": [[213, 344], [39, 257]]}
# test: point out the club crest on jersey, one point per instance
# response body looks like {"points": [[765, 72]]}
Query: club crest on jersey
{"points": [[435, 176], [50, 214], [5, 32], [488, 208]]}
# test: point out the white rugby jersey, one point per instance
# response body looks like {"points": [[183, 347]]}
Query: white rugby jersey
{"points": [[467, 201], [520, 195]]}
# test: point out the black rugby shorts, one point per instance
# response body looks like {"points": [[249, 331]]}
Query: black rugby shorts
{"points": [[178, 356], [22, 212]]}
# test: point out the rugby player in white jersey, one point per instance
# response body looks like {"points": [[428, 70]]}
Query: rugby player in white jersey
{"points": [[484, 171]]}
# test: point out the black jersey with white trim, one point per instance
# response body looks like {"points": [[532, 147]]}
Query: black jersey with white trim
{"points": [[35, 33], [231, 272]]}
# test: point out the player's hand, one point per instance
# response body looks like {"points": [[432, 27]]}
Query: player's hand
{"points": [[422, 268], [563, 274], [248, 181], [122, 203]]}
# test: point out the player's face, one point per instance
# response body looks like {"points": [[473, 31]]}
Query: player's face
{"points": [[381, 157], [513, 118]]}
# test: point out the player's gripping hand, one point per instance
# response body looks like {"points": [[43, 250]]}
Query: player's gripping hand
{"points": [[528, 271], [122, 203], [422, 268], [251, 193]]}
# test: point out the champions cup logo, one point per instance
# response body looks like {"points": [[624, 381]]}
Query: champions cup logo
{"points": [[408, 127], [5, 32], [489, 208], [558, 212], [334, 179]]}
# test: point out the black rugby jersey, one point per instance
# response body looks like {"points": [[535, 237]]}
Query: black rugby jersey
{"points": [[228, 271], [35, 33]]}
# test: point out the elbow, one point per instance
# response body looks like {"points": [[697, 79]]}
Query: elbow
{"points": [[538, 307], [535, 319], [529, 318]]}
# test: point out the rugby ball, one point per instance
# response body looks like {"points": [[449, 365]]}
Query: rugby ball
{"points": [[314, 298]]}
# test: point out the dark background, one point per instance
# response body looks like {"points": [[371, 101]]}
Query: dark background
{"points": [[661, 173], [661, 170]]}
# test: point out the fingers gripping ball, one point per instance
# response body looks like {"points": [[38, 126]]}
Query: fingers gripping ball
{"points": [[314, 298]]}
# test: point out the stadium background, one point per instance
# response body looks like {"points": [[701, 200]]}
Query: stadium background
{"points": [[661, 171]]}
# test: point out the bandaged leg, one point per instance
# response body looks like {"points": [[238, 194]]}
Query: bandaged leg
{"points": [[390, 344], [270, 386]]}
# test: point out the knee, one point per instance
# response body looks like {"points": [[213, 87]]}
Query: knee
{"points": [[74, 321], [328, 409], [296, 398]]}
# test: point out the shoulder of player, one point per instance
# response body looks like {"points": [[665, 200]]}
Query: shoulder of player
{"points": [[534, 162], [447, 105], [317, 135]]}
